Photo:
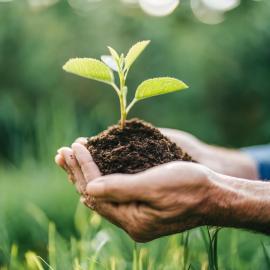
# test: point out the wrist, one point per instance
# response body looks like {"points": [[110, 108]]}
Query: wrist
{"points": [[239, 203]]}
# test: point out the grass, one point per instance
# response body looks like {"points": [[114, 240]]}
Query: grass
{"points": [[42, 225]]}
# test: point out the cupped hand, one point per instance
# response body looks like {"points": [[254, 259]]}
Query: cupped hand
{"points": [[226, 161], [78, 164], [160, 201]]}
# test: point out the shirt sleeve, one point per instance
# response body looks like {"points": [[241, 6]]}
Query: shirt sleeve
{"points": [[261, 155]]}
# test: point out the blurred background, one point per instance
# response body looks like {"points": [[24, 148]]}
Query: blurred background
{"points": [[221, 49]]}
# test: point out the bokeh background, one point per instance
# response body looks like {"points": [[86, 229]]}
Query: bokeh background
{"points": [[224, 58]]}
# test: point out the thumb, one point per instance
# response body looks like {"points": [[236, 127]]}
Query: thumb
{"points": [[119, 188]]}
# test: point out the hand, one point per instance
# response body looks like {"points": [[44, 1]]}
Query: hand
{"points": [[80, 168], [226, 161], [169, 198], [163, 200]]}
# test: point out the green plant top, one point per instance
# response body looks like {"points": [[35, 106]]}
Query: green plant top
{"points": [[103, 71]]}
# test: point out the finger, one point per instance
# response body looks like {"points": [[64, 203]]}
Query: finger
{"points": [[81, 140], [71, 161], [60, 161], [119, 188], [89, 168]]}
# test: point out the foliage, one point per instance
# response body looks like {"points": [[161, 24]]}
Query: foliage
{"points": [[96, 70]]}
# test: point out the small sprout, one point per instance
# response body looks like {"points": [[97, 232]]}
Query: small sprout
{"points": [[97, 70]]}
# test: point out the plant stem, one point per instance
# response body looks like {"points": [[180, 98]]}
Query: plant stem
{"points": [[122, 98], [123, 111], [122, 81], [115, 88], [131, 105]]}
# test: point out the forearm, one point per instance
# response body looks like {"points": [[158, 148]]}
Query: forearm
{"points": [[227, 161], [230, 162], [239, 203]]}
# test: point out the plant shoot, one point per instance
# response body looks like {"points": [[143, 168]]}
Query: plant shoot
{"points": [[103, 71]]}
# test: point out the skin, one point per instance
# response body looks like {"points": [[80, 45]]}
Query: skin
{"points": [[226, 161], [167, 199]]}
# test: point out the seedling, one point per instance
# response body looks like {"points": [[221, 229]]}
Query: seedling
{"points": [[103, 71]]}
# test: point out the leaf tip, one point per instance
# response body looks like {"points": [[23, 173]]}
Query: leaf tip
{"points": [[146, 41], [66, 66], [185, 86]]}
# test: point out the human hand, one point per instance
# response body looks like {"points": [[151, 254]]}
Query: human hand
{"points": [[226, 161], [78, 164], [160, 201], [169, 198], [163, 200]]}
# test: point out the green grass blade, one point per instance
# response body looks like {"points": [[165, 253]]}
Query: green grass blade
{"points": [[32, 261], [266, 255], [52, 245], [135, 257]]}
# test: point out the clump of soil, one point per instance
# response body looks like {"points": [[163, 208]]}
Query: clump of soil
{"points": [[137, 147]]}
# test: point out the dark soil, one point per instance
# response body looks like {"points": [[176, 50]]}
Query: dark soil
{"points": [[135, 148]]}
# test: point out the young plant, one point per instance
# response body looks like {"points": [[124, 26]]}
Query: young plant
{"points": [[103, 71]]}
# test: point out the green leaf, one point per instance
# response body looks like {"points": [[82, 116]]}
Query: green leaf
{"points": [[158, 86], [134, 52], [89, 68], [114, 54]]}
